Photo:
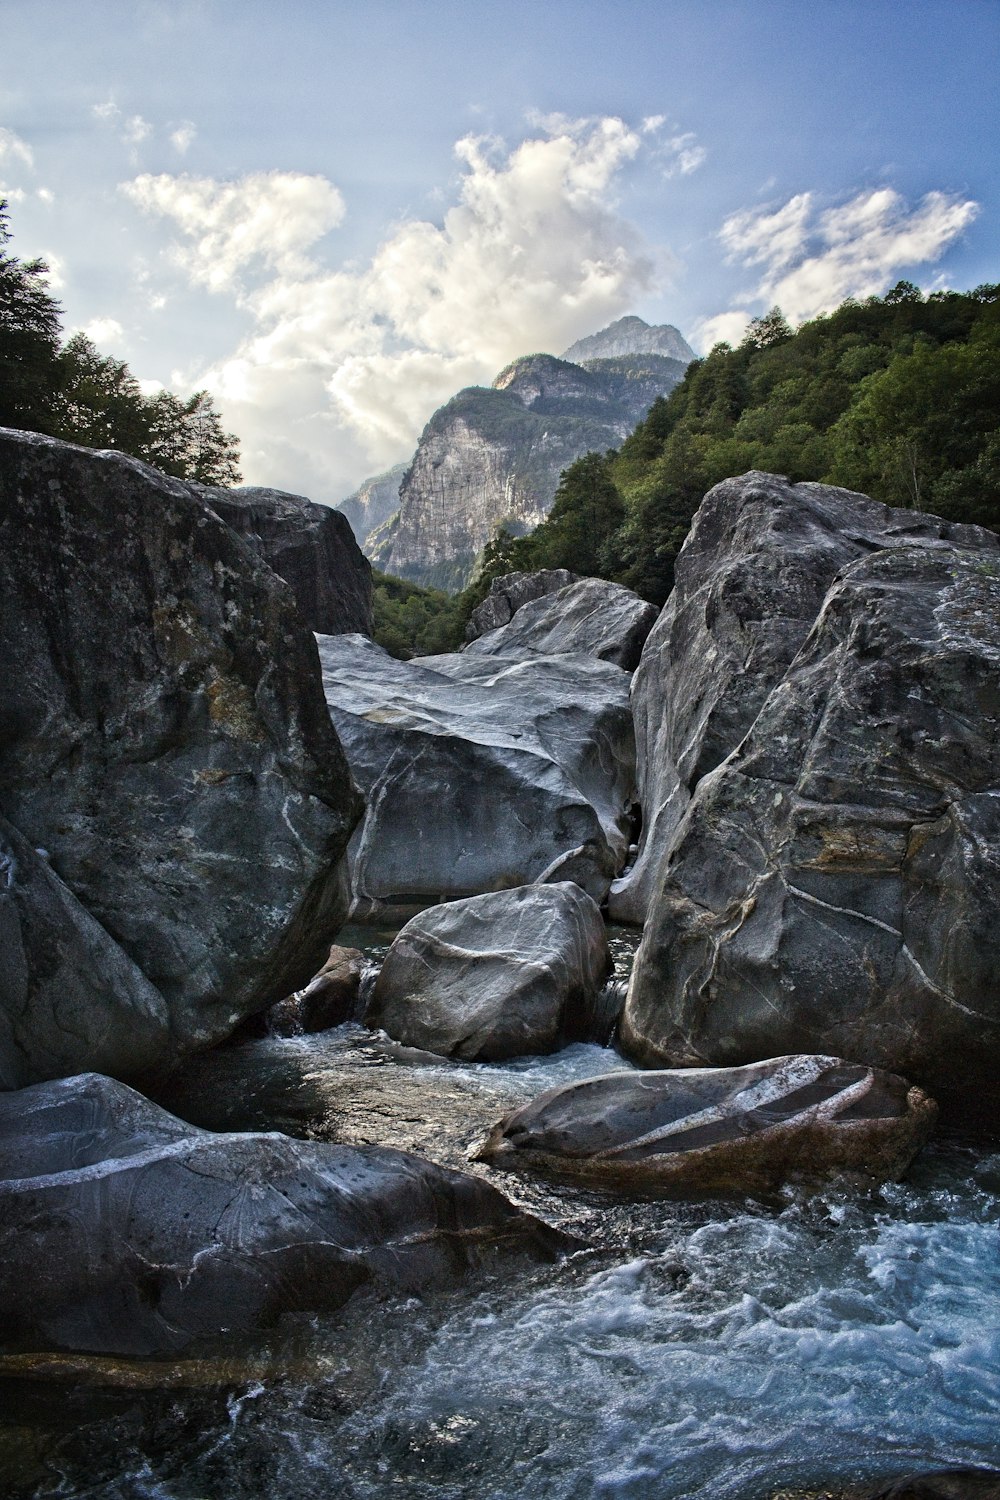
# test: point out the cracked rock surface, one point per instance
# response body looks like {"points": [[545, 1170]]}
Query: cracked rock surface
{"points": [[687, 1132], [833, 884], [124, 1230], [590, 616], [165, 741]]}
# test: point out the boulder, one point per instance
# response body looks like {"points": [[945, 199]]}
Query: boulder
{"points": [[66, 988], [945, 1484], [329, 999], [165, 739], [311, 547], [591, 617], [749, 583], [480, 773], [124, 1230], [509, 593], [834, 884], [502, 975], [719, 1130]]}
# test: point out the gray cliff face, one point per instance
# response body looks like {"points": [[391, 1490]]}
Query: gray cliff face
{"points": [[494, 457], [311, 547], [165, 741], [372, 504], [631, 336], [832, 884]]}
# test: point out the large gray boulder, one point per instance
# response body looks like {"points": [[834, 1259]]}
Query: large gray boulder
{"points": [[749, 583], [509, 593], [591, 617], [719, 1130], [124, 1230], [480, 774], [502, 975], [311, 547], [164, 738], [835, 882]]}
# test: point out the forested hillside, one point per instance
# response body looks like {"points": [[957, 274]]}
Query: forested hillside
{"points": [[72, 391]]}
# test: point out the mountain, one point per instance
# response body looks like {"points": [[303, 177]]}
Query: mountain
{"points": [[493, 456], [631, 336], [373, 502]]}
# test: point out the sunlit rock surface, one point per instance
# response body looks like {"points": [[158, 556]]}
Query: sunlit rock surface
{"points": [[480, 773], [719, 1130], [749, 584], [165, 740], [509, 592], [834, 883], [591, 616], [501, 975], [124, 1230], [311, 547]]}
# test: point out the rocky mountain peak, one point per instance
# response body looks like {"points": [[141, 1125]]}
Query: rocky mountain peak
{"points": [[537, 377], [631, 335]]}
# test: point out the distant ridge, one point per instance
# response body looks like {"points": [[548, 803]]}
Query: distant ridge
{"points": [[631, 335]]}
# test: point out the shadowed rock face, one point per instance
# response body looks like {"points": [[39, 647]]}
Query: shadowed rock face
{"points": [[719, 1130], [311, 547], [947, 1484], [750, 582], [164, 738], [328, 999], [591, 617], [501, 975], [509, 593], [480, 774], [834, 883], [123, 1230]]}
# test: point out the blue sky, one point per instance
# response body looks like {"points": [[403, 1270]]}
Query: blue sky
{"points": [[335, 215]]}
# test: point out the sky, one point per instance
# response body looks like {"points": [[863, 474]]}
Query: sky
{"points": [[335, 215]]}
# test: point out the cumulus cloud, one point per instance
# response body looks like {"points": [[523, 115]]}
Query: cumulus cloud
{"points": [[104, 330], [267, 217], [182, 137], [724, 328], [813, 259], [686, 154], [531, 255], [14, 150]]}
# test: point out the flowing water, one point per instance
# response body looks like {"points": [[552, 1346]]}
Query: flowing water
{"points": [[724, 1349]]}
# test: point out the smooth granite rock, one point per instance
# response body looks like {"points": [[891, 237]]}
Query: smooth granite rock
{"points": [[590, 617], [311, 547], [507, 595], [834, 885], [749, 584], [480, 774], [66, 988], [329, 999], [502, 975], [719, 1130], [165, 739], [124, 1230]]}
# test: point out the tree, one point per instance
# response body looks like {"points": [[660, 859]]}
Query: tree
{"points": [[29, 339], [186, 439], [98, 401]]}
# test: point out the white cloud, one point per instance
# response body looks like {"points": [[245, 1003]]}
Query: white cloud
{"points": [[724, 328], [46, 195], [104, 331], [108, 112], [687, 155], [135, 130], [343, 367], [268, 217], [652, 123], [182, 137], [812, 261], [13, 149], [57, 270]]}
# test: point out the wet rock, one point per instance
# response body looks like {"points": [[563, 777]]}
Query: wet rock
{"points": [[749, 584], [166, 741], [329, 998], [592, 617], [946, 1484], [834, 884], [509, 593], [480, 774], [123, 1230], [311, 547], [501, 975], [719, 1130]]}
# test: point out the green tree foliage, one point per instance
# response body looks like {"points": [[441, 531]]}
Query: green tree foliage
{"points": [[29, 338], [414, 621], [86, 397]]}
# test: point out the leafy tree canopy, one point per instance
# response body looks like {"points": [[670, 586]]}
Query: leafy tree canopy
{"points": [[76, 393]]}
